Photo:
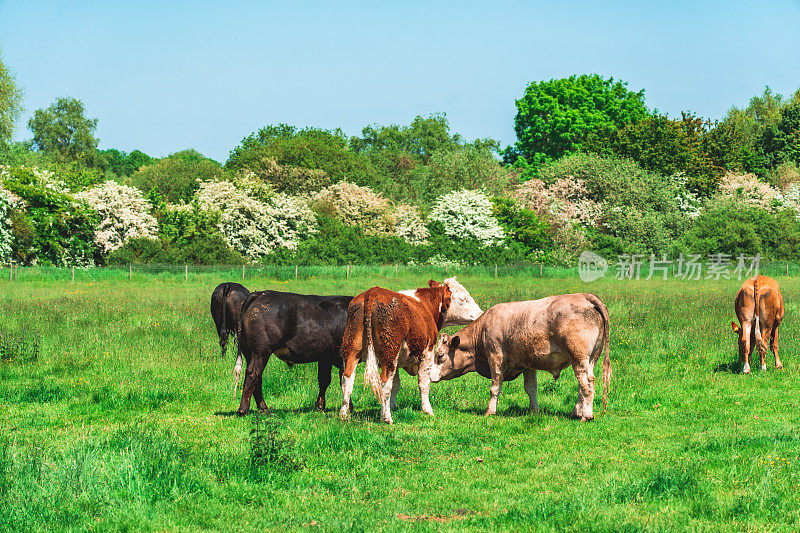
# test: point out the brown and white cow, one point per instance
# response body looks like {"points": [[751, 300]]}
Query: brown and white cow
{"points": [[391, 330], [517, 338], [759, 308]]}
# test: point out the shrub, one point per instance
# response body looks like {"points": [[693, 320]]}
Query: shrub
{"points": [[522, 225], [253, 228], [408, 224], [355, 206], [6, 230], [467, 215], [55, 228], [124, 214], [747, 189], [731, 228], [176, 177], [285, 178]]}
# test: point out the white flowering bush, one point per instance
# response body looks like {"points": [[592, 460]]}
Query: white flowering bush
{"points": [[688, 202], [254, 228], [408, 225], [356, 206], [791, 198], [468, 215], [124, 214], [747, 189], [6, 234], [565, 201]]}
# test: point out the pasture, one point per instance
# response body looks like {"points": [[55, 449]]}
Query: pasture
{"points": [[116, 413]]}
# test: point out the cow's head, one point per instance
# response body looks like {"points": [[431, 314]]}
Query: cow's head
{"points": [[462, 309], [451, 359]]}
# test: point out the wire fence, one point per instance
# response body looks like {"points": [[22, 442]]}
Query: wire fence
{"points": [[18, 273]]}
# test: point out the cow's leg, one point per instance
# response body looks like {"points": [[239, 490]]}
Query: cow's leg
{"points": [[388, 385], [761, 344], [348, 378], [424, 380], [395, 389], [530, 387], [341, 375], [774, 344], [324, 369], [258, 388], [744, 346], [497, 384], [252, 382], [585, 374]]}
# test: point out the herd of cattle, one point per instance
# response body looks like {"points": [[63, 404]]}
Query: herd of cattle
{"points": [[391, 330]]}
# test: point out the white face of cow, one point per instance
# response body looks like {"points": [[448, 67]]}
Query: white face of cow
{"points": [[463, 308]]}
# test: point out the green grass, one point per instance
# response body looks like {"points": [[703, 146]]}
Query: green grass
{"points": [[116, 414]]}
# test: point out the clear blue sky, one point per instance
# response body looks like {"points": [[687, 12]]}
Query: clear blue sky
{"points": [[164, 76]]}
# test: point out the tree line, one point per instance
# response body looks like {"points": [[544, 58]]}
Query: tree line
{"points": [[592, 168]]}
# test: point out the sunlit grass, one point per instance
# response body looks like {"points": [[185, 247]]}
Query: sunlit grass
{"points": [[124, 420]]}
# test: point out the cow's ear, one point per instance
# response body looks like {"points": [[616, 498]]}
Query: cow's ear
{"points": [[455, 342], [735, 327], [432, 283]]}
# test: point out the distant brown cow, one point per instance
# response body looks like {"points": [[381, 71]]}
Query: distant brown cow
{"points": [[392, 330], [522, 337], [759, 308]]}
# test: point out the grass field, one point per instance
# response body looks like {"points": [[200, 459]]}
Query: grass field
{"points": [[116, 414]]}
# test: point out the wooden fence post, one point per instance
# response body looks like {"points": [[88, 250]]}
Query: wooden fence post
{"points": [[130, 272], [186, 273], [540, 270], [295, 272], [16, 271], [73, 274], [787, 269], [495, 270], [395, 269], [242, 271], [11, 272], [348, 271]]}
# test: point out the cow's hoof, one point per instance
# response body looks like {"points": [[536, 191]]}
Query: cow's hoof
{"points": [[241, 412], [262, 406], [488, 413], [320, 404], [779, 366], [746, 369], [587, 418], [344, 413], [763, 367]]}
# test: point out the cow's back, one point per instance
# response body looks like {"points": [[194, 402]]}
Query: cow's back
{"points": [[310, 326], [770, 300]]}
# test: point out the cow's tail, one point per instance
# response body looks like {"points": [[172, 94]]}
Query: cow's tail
{"points": [[603, 310], [223, 330], [371, 373], [762, 346]]}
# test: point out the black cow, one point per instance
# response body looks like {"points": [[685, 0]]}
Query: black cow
{"points": [[226, 300], [297, 328]]}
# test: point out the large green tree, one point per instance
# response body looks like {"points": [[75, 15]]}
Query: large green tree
{"points": [[64, 131], [761, 136], [555, 117], [10, 103]]}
